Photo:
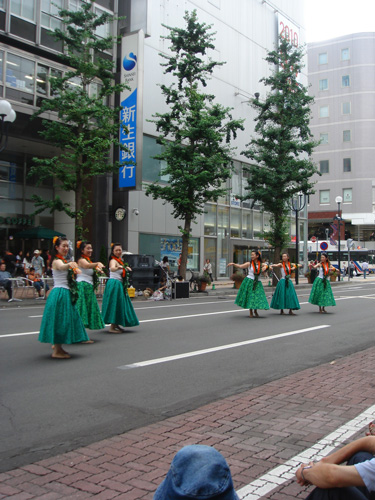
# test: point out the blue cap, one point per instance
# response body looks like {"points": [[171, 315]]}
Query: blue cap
{"points": [[197, 472]]}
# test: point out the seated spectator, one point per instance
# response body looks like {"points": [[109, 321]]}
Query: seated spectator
{"points": [[197, 473], [354, 481], [5, 281], [37, 282]]}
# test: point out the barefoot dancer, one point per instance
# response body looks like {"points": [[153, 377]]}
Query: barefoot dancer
{"points": [[87, 283], [251, 293], [321, 293], [117, 308], [285, 296], [61, 323]]}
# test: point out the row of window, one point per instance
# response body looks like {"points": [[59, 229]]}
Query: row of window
{"points": [[28, 81], [345, 82], [26, 9], [346, 137], [346, 109], [323, 56], [324, 196], [324, 165]]}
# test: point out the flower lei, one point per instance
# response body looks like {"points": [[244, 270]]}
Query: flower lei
{"points": [[256, 272], [97, 273], [325, 267], [287, 271], [72, 283], [125, 277]]}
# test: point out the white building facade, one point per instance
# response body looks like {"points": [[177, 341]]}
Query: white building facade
{"points": [[245, 31]]}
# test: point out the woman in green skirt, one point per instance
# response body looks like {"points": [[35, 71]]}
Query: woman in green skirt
{"points": [[87, 283], [321, 293], [285, 296], [117, 308], [251, 293], [61, 323]]}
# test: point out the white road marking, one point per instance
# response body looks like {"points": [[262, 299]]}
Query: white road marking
{"points": [[18, 334], [219, 348], [283, 473], [165, 306]]}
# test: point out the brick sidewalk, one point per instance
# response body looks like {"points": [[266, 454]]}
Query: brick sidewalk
{"points": [[255, 430]]}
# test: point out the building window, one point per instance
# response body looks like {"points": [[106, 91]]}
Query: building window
{"points": [[23, 8], [324, 138], [345, 81], [346, 108], [323, 58], [75, 5], [345, 54], [20, 73], [347, 195], [323, 84], [2, 4], [50, 14], [346, 136], [324, 111], [210, 220], [324, 166], [324, 196], [104, 30], [347, 164]]}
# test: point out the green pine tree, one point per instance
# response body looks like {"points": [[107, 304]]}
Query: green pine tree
{"points": [[281, 150], [195, 133], [86, 127]]}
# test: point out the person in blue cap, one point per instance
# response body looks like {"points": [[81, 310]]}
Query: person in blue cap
{"points": [[197, 472]]}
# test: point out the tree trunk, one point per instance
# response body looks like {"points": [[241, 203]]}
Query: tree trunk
{"points": [[185, 247], [78, 208]]}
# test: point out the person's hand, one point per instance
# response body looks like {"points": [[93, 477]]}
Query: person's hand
{"points": [[299, 477], [128, 269]]}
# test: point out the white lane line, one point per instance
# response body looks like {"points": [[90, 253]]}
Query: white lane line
{"points": [[219, 348], [283, 473], [18, 334], [165, 306]]}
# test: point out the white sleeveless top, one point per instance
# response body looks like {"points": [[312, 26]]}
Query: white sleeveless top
{"points": [[116, 275], [86, 275], [321, 273], [283, 272], [60, 278], [250, 273]]}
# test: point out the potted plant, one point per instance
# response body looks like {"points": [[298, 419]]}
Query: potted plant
{"points": [[308, 276], [238, 278], [203, 280], [333, 275]]}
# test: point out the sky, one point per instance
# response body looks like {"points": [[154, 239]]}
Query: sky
{"points": [[327, 19]]}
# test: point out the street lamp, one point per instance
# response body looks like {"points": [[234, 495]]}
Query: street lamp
{"points": [[7, 116], [338, 200], [298, 204]]}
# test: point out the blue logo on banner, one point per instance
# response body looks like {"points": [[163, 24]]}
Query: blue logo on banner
{"points": [[128, 118], [129, 61]]}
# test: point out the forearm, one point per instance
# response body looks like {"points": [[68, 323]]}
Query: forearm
{"points": [[326, 475], [343, 454]]}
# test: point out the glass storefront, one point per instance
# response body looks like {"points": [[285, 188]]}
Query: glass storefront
{"points": [[169, 246]]}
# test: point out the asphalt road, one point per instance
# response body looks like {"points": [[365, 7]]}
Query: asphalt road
{"points": [[158, 369]]}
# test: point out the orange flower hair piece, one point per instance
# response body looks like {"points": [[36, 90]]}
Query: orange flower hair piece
{"points": [[78, 244], [112, 245], [55, 238]]}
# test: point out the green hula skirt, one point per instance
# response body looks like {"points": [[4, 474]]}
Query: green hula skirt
{"points": [[285, 297], [321, 296], [87, 306], [117, 308], [248, 298], [61, 323]]}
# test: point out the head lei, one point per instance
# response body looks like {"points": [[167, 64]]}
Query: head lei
{"points": [[55, 238], [78, 244]]}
